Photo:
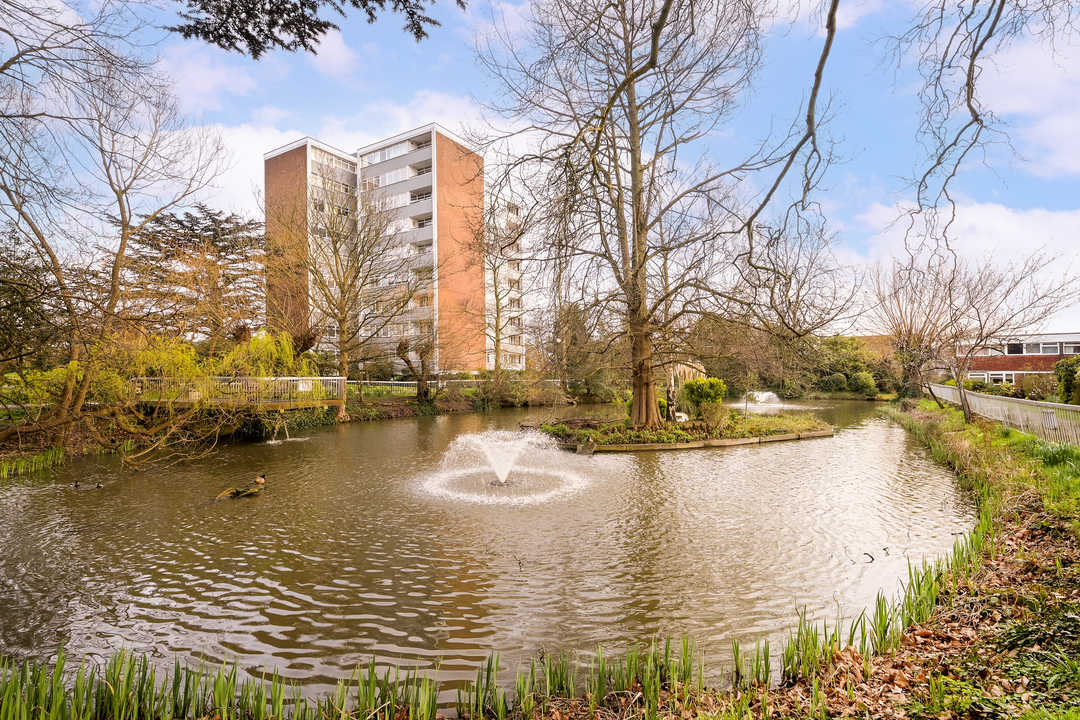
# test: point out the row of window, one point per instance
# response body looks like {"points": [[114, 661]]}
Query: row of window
{"points": [[396, 150], [331, 209], [386, 153], [389, 178], [1031, 349], [320, 181], [391, 202], [321, 156]]}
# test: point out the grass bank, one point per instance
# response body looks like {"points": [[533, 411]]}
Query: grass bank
{"points": [[991, 631]]}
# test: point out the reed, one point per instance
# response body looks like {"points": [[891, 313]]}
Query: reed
{"points": [[12, 467]]}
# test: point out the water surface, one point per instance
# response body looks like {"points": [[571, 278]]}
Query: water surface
{"points": [[348, 552]]}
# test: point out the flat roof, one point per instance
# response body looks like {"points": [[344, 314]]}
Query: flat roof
{"points": [[1044, 337], [308, 140], [410, 133]]}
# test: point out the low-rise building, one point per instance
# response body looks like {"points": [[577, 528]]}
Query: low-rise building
{"points": [[1011, 359]]}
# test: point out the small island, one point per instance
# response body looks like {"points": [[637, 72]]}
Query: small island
{"points": [[591, 434]]}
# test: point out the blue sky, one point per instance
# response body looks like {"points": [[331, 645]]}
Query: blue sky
{"points": [[371, 81]]}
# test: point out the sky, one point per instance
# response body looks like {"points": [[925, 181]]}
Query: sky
{"points": [[370, 81]]}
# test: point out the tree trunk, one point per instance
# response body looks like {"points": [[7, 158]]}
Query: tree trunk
{"points": [[645, 411], [343, 354], [962, 393]]}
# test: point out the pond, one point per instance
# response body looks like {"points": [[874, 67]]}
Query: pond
{"points": [[364, 543]]}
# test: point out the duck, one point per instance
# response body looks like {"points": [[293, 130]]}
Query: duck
{"points": [[75, 484], [98, 486], [259, 480]]}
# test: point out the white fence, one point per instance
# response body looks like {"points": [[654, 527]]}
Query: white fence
{"points": [[1051, 421], [238, 390]]}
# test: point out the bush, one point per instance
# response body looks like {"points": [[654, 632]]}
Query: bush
{"points": [[863, 382], [1039, 387], [704, 390], [791, 388], [1068, 376], [835, 383], [713, 414]]}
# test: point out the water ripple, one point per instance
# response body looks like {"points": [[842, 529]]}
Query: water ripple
{"points": [[363, 542]]}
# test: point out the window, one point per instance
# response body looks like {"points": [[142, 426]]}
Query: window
{"points": [[1049, 349], [419, 197], [390, 202], [423, 171], [421, 301], [420, 145], [378, 181], [998, 378], [515, 322], [514, 303], [514, 284], [514, 265], [321, 156], [330, 184], [1072, 349], [385, 154], [424, 222], [1014, 349]]}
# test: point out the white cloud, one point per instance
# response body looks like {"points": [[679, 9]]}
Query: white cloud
{"points": [[203, 77], [1005, 232], [1040, 94], [335, 59]]}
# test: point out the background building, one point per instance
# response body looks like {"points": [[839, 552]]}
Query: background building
{"points": [[1013, 358], [432, 187]]}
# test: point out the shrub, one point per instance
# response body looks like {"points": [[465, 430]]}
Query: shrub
{"points": [[713, 414], [791, 388], [863, 382], [703, 390], [1039, 387], [1068, 375], [835, 383]]}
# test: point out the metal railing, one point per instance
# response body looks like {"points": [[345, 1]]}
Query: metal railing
{"points": [[405, 387], [1050, 421], [237, 390]]}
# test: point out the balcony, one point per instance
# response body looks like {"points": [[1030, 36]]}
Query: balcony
{"points": [[410, 158], [420, 208], [418, 236]]}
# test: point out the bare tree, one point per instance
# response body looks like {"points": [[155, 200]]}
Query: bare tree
{"points": [[363, 280], [942, 309], [89, 133], [622, 197], [909, 305], [495, 249], [990, 302]]}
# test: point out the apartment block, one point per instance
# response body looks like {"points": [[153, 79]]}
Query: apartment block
{"points": [[432, 186]]}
